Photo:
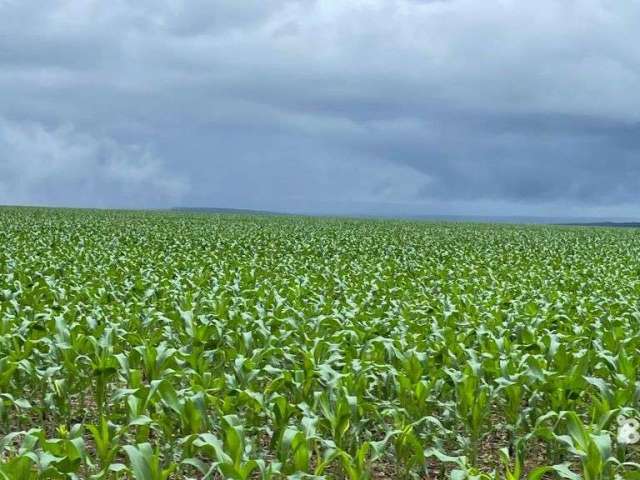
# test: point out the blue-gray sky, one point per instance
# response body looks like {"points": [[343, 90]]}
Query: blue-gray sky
{"points": [[498, 107]]}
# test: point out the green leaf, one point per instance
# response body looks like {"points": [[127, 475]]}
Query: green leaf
{"points": [[140, 458]]}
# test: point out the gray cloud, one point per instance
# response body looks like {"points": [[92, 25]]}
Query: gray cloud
{"points": [[393, 106], [62, 167]]}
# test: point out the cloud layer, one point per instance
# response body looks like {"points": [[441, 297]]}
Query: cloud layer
{"points": [[42, 166], [367, 106]]}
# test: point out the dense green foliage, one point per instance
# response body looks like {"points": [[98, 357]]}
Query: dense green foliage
{"points": [[166, 345]]}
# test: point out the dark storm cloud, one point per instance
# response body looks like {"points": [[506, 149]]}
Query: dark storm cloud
{"points": [[520, 158], [394, 106]]}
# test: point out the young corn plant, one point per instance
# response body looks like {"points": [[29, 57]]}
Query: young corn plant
{"points": [[230, 454], [472, 402], [146, 462]]}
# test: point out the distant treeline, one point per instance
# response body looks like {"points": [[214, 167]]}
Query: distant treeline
{"points": [[606, 224], [223, 210]]}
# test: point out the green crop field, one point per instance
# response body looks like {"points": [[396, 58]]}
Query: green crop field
{"points": [[173, 345]]}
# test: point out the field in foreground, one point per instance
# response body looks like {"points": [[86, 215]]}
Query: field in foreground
{"points": [[172, 345]]}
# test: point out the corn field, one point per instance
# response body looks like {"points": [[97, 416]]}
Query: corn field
{"points": [[160, 345]]}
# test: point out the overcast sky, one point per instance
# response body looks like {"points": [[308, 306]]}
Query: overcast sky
{"points": [[493, 107]]}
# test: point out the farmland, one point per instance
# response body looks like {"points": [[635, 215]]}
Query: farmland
{"points": [[172, 345]]}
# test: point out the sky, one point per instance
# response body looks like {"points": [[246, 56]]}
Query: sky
{"points": [[382, 107]]}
